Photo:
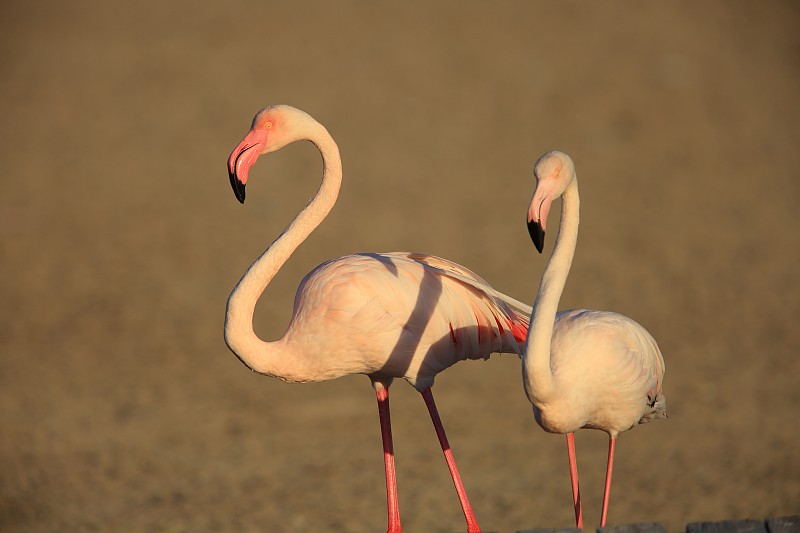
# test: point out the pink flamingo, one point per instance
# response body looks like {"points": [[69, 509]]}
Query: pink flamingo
{"points": [[391, 315], [583, 368]]}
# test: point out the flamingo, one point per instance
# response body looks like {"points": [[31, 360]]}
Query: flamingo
{"points": [[583, 368], [388, 315]]}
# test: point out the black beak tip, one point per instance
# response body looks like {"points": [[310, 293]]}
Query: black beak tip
{"points": [[536, 232], [237, 186]]}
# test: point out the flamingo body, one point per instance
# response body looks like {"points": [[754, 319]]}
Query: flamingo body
{"points": [[609, 371], [396, 315]]}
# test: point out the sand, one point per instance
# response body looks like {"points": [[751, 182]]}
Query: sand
{"points": [[121, 408]]}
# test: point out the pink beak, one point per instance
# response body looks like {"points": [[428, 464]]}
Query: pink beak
{"points": [[242, 158]]}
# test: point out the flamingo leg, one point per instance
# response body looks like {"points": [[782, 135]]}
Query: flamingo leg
{"points": [[392, 503], [472, 523], [573, 476], [607, 492]]}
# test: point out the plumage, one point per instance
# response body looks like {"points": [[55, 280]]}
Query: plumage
{"points": [[391, 315], [602, 362], [405, 316], [583, 368]]}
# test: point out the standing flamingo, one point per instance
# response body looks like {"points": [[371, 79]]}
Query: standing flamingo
{"points": [[392, 315], [583, 368]]}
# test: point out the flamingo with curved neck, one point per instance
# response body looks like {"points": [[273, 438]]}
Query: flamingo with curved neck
{"points": [[583, 368], [390, 315]]}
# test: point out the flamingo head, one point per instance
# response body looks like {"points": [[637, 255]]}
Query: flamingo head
{"points": [[554, 172], [273, 128]]}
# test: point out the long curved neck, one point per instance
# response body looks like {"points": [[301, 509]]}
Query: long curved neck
{"points": [[275, 358], [538, 376]]}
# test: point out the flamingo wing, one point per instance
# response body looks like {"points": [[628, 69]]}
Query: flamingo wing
{"points": [[466, 276], [508, 316], [404, 315]]}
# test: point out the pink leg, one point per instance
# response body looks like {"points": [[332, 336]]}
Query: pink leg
{"points": [[472, 523], [611, 442], [388, 460], [573, 476]]}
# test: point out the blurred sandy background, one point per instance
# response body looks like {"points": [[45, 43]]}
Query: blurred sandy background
{"points": [[121, 409]]}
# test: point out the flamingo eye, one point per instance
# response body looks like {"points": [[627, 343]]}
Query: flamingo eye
{"points": [[268, 125]]}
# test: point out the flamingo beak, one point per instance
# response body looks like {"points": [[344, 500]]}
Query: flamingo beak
{"points": [[536, 231], [238, 187], [537, 219], [242, 158]]}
